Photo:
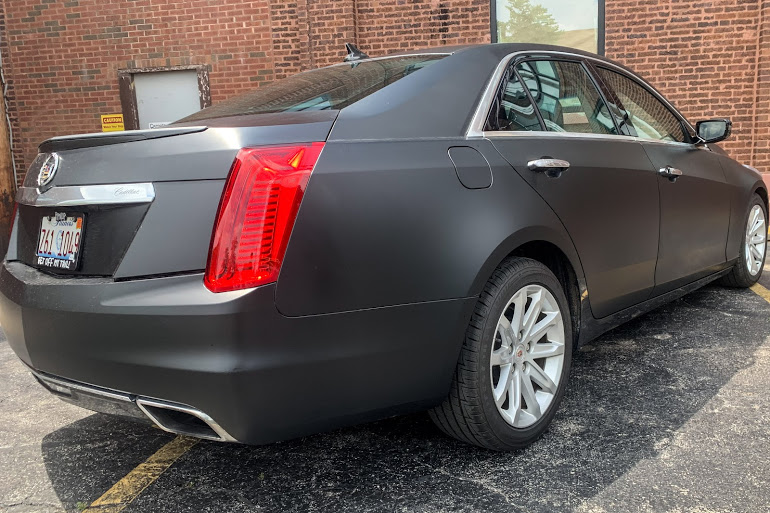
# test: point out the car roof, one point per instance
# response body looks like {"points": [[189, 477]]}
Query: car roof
{"points": [[440, 100], [500, 50]]}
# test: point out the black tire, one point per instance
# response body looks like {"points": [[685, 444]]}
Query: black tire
{"points": [[469, 412], [739, 275]]}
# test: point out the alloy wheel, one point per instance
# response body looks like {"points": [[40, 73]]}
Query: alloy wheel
{"points": [[756, 238], [527, 356]]}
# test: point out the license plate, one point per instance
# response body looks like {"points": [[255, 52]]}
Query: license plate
{"points": [[58, 244]]}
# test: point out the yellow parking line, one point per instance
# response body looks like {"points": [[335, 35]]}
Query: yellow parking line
{"points": [[761, 291], [130, 487]]}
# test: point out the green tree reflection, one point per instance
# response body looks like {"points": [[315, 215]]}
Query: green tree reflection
{"points": [[527, 23]]}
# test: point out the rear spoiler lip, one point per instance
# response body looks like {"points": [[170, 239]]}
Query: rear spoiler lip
{"points": [[73, 142]]}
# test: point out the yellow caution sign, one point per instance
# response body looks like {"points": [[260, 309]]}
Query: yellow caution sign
{"points": [[112, 123]]}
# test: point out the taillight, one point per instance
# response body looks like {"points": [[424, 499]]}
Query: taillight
{"points": [[256, 215]]}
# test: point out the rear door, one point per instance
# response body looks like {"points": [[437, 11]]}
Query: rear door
{"points": [[607, 198], [695, 211]]}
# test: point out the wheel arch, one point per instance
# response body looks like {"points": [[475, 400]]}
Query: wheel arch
{"points": [[760, 189], [555, 251]]}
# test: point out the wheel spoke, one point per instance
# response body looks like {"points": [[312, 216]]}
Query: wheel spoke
{"points": [[758, 238], [507, 338], [532, 313], [514, 396], [758, 225], [755, 252], [753, 218], [539, 329], [501, 389], [499, 357], [519, 303], [546, 350], [539, 376], [528, 392]]}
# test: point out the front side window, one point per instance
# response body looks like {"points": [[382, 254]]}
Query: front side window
{"points": [[576, 23], [566, 97], [651, 119], [333, 87]]}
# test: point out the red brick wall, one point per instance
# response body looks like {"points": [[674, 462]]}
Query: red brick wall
{"points": [[61, 57], [761, 134], [64, 55], [702, 55], [391, 25]]}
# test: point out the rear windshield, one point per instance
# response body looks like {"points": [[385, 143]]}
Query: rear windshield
{"points": [[334, 87]]}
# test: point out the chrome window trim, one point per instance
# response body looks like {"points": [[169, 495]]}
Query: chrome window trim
{"points": [[580, 135], [78, 195], [540, 133], [476, 126]]}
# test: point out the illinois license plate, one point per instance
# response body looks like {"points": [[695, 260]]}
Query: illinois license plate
{"points": [[58, 244]]}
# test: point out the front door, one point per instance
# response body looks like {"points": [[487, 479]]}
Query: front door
{"points": [[607, 198], [694, 211], [695, 214]]}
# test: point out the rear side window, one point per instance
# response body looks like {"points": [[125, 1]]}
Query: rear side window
{"points": [[333, 87], [512, 110], [566, 97], [648, 115]]}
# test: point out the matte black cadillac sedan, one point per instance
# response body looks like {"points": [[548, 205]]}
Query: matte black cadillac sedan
{"points": [[434, 230]]}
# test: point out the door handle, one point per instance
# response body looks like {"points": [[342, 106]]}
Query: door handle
{"points": [[551, 167], [669, 172]]}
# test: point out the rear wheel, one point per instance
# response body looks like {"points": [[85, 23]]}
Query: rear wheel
{"points": [[751, 260], [514, 364]]}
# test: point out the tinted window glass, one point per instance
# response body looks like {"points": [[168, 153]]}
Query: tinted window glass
{"points": [[513, 111], [650, 118], [566, 97], [334, 87]]}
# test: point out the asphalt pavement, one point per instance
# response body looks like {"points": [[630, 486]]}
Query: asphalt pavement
{"points": [[667, 414]]}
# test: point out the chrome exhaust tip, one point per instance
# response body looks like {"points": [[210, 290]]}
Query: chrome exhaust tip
{"points": [[183, 420]]}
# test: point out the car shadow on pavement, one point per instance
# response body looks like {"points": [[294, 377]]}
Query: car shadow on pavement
{"points": [[629, 393]]}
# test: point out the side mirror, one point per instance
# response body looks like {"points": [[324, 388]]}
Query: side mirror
{"points": [[713, 130]]}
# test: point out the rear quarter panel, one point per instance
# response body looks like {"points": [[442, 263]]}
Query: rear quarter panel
{"points": [[389, 223]]}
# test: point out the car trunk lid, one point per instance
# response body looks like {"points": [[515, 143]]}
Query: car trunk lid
{"points": [[147, 200]]}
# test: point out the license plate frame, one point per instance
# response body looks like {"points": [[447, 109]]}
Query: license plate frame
{"points": [[59, 244]]}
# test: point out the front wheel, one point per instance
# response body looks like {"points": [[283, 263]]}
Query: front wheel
{"points": [[751, 260], [514, 364]]}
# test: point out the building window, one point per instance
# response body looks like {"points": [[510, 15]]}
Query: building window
{"points": [[576, 24]]}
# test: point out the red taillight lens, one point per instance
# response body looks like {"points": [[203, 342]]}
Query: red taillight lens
{"points": [[257, 213]]}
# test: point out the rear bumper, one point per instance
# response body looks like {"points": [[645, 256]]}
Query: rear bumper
{"points": [[174, 418], [257, 374]]}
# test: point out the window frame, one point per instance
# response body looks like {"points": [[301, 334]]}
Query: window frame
{"points": [[600, 29], [476, 125], [683, 123], [513, 72]]}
